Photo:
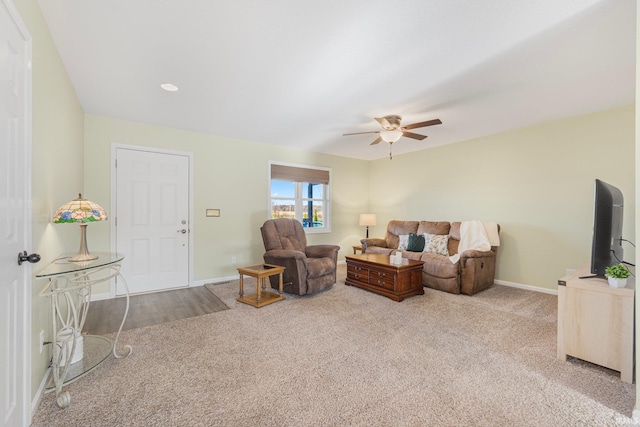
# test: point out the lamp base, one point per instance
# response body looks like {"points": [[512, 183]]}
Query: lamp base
{"points": [[83, 257], [83, 253]]}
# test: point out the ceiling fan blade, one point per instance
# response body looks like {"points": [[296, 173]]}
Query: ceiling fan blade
{"points": [[383, 122], [376, 141], [423, 124], [360, 133], [413, 135]]}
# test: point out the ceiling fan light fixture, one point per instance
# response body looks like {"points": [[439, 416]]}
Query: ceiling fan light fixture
{"points": [[390, 136]]}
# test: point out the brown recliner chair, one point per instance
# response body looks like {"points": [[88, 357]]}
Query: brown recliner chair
{"points": [[308, 269]]}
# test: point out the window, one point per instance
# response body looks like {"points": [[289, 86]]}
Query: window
{"points": [[302, 193]]}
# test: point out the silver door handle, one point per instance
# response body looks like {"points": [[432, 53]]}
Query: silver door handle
{"points": [[183, 231]]}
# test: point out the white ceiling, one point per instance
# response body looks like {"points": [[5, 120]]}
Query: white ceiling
{"points": [[301, 73]]}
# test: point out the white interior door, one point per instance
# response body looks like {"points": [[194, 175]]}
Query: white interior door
{"points": [[152, 219], [15, 220]]}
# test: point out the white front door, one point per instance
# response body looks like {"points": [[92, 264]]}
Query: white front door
{"points": [[15, 219], [152, 219]]}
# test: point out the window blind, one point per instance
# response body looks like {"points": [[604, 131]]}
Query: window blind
{"points": [[297, 174]]}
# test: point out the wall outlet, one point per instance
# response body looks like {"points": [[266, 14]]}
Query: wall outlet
{"points": [[41, 341], [233, 260]]}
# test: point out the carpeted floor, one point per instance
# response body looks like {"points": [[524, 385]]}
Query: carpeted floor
{"points": [[348, 357]]}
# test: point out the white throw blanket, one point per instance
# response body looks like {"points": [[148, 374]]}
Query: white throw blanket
{"points": [[478, 236]]}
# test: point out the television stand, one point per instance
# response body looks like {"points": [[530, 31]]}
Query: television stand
{"points": [[596, 322]]}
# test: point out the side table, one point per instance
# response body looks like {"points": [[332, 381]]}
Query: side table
{"points": [[69, 290], [261, 272]]}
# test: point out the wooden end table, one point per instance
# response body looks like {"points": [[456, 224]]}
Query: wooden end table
{"points": [[261, 272], [375, 273]]}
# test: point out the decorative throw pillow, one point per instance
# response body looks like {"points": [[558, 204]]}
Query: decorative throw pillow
{"points": [[416, 242], [404, 242], [436, 243]]}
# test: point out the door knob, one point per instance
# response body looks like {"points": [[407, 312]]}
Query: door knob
{"points": [[33, 258], [183, 231]]}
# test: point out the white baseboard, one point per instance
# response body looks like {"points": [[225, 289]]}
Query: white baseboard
{"points": [[214, 281], [106, 295], [527, 287], [100, 297], [511, 284], [229, 278], [38, 396]]}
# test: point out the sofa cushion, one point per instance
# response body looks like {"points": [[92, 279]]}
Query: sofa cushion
{"points": [[433, 227], [416, 242], [397, 228], [436, 243], [317, 267], [412, 255], [290, 243], [283, 233], [438, 266], [380, 250]]}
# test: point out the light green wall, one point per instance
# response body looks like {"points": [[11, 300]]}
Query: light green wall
{"points": [[231, 175], [57, 165], [537, 183]]}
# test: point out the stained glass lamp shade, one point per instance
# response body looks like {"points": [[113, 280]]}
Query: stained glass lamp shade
{"points": [[82, 212]]}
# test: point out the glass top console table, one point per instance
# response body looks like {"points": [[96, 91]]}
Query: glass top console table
{"points": [[69, 290]]}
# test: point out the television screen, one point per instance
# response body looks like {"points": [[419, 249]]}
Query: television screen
{"points": [[606, 247]]}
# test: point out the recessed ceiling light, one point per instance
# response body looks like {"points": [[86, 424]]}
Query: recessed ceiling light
{"points": [[169, 87]]}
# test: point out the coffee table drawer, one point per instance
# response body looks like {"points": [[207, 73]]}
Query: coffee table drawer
{"points": [[355, 272], [380, 278]]}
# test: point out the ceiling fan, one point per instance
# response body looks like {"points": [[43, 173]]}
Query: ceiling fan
{"points": [[393, 131]]}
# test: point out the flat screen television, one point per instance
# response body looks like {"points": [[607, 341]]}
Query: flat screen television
{"points": [[606, 247]]}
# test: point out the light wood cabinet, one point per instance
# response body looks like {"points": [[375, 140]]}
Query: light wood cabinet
{"points": [[596, 322]]}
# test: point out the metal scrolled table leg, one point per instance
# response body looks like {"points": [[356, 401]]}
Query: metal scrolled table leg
{"points": [[126, 311], [67, 323]]}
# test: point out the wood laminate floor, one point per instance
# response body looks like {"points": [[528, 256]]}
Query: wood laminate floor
{"points": [[105, 316]]}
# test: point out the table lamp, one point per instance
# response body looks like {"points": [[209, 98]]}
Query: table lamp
{"points": [[367, 220], [80, 211]]}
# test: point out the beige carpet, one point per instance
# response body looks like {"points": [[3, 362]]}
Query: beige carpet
{"points": [[349, 357]]}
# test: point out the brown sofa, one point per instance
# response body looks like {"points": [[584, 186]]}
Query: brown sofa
{"points": [[474, 272]]}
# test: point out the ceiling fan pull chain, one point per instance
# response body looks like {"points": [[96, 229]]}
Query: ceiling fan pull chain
{"points": [[390, 156]]}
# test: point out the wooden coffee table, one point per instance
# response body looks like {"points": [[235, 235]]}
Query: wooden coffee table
{"points": [[261, 272], [375, 273]]}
